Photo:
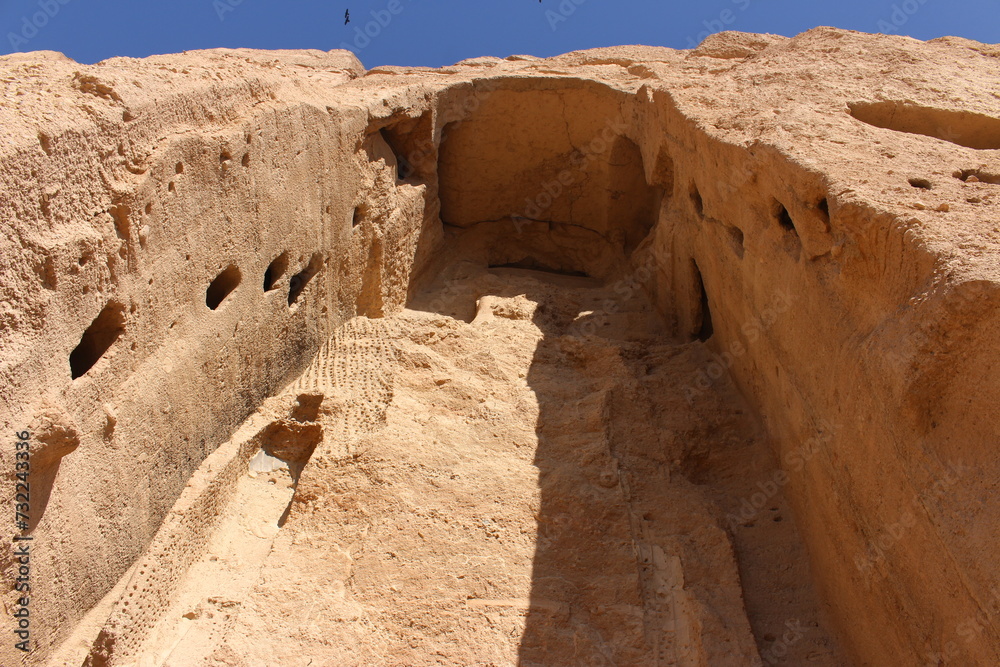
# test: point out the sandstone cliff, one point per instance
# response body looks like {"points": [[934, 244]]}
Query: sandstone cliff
{"points": [[814, 222]]}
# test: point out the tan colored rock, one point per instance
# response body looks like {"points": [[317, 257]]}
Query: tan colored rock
{"points": [[55, 436], [569, 343]]}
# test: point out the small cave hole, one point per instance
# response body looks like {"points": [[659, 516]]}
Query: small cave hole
{"points": [[696, 201], [824, 209], [102, 333], [359, 215], [179, 168], [149, 208], [736, 235], [706, 330], [298, 282], [225, 156], [784, 218], [171, 187], [275, 270], [921, 183], [246, 160], [223, 285], [703, 315]]}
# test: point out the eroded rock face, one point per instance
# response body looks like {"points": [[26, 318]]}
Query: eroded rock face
{"points": [[184, 234]]}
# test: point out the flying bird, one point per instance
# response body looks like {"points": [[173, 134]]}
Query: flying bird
{"points": [[347, 16]]}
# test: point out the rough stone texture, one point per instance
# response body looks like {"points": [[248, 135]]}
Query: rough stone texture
{"points": [[187, 235]]}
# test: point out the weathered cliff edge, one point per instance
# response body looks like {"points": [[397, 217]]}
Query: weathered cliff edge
{"points": [[182, 233]]}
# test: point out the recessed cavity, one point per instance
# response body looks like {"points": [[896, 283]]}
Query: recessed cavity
{"points": [[223, 285], [411, 145], [275, 270], [383, 147], [102, 333], [532, 264], [123, 225], [790, 234], [298, 282], [736, 236], [703, 314], [696, 201], [783, 217], [964, 128], [403, 168], [977, 176], [823, 206]]}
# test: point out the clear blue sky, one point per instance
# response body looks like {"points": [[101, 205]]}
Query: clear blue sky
{"points": [[441, 32]]}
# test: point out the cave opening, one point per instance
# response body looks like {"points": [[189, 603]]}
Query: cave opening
{"points": [[274, 272], [297, 283], [223, 285], [102, 333], [703, 318]]}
